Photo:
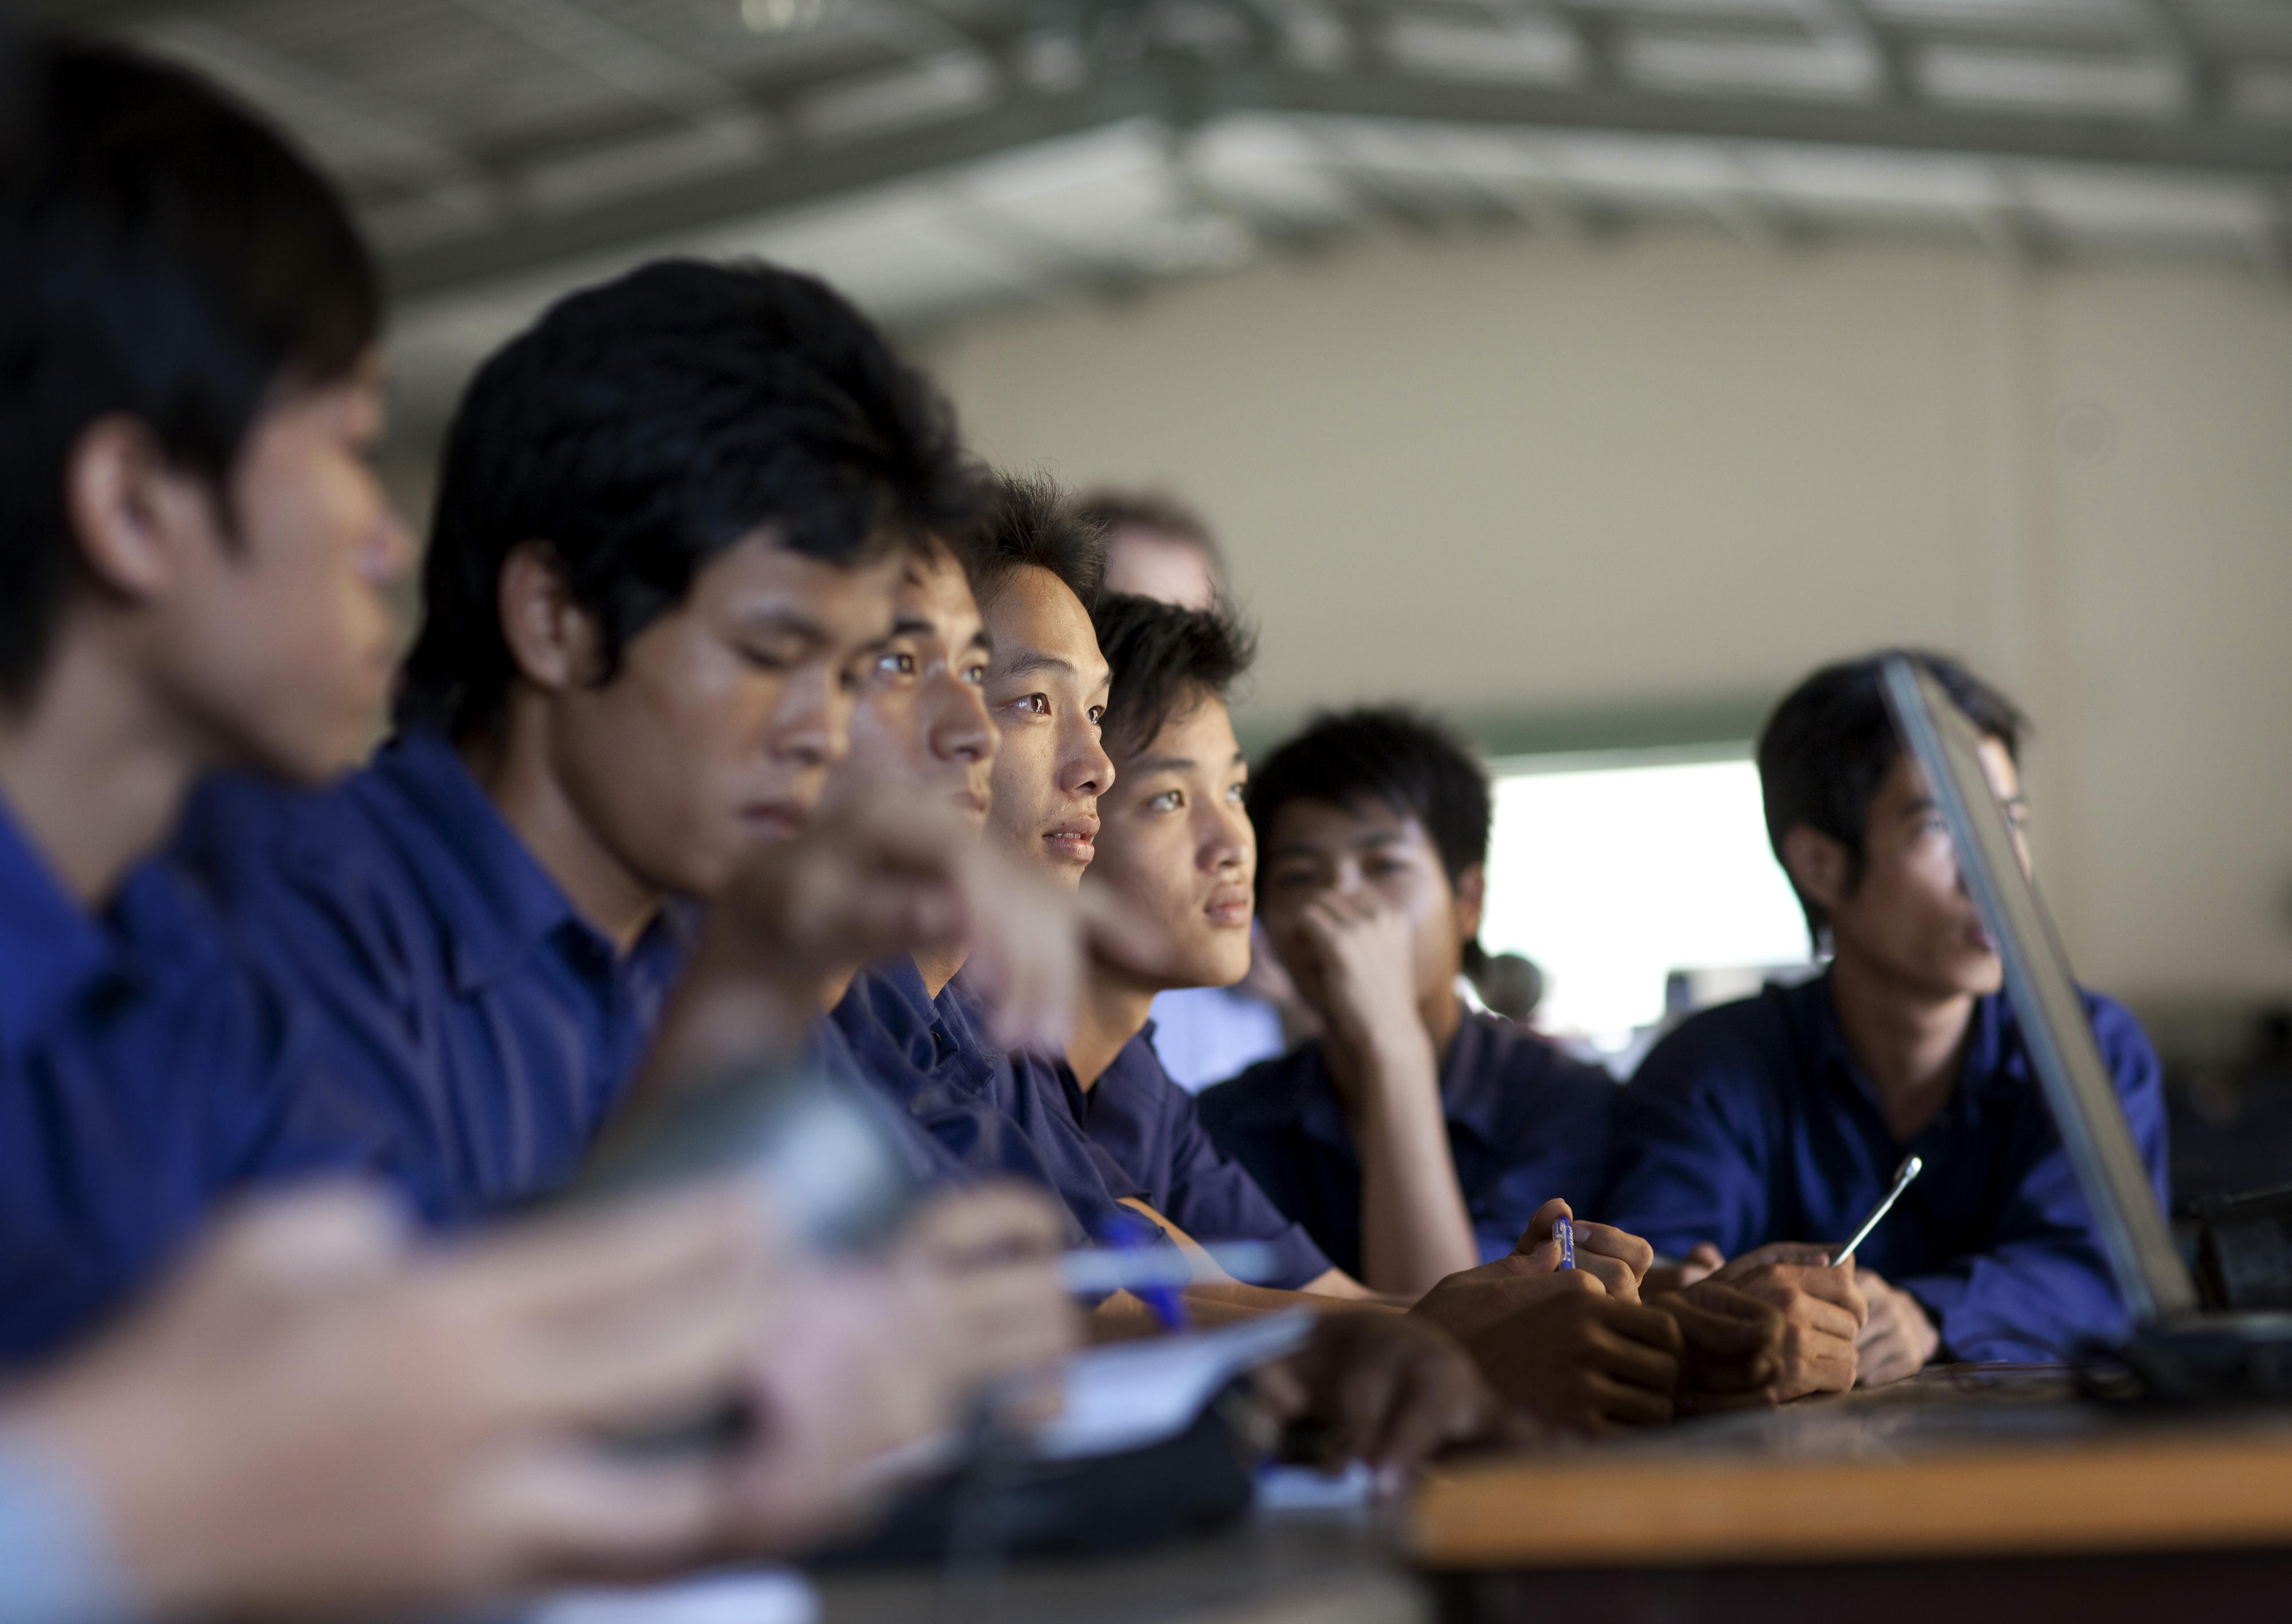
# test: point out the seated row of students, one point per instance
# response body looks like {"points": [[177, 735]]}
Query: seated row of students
{"points": [[677, 517], [738, 723]]}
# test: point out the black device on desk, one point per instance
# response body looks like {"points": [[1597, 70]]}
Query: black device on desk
{"points": [[2179, 1353]]}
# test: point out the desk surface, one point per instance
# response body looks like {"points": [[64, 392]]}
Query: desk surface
{"points": [[1957, 1462]]}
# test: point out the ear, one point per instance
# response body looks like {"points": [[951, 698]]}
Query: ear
{"points": [[553, 639], [1471, 895], [1817, 864], [134, 514]]}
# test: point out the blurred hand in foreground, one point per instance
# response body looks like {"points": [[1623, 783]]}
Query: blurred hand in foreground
{"points": [[882, 1354], [315, 1416], [891, 872]]}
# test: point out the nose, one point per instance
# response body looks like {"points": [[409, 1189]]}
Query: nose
{"points": [[392, 553], [814, 726], [960, 728], [1087, 770], [1230, 843]]}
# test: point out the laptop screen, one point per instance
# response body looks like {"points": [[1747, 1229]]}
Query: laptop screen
{"points": [[2134, 1234]]}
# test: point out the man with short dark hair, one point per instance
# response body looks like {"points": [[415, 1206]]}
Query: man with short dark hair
{"points": [[668, 524], [194, 558], [1415, 1137], [1765, 1125]]}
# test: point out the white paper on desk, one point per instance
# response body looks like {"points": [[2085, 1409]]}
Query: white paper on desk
{"points": [[1129, 1394], [770, 1595]]}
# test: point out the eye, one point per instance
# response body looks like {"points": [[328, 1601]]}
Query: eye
{"points": [[896, 664], [1033, 705], [764, 659], [1169, 800], [976, 675], [1236, 793], [1097, 714]]}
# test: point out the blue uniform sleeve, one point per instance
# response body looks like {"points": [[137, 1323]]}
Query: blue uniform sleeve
{"points": [[1213, 1198], [1693, 1145], [2042, 1289]]}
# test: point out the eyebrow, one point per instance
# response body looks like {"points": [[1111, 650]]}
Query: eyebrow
{"points": [[792, 622], [1033, 660], [980, 640], [909, 625]]}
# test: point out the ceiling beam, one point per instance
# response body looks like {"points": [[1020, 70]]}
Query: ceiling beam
{"points": [[807, 175]]}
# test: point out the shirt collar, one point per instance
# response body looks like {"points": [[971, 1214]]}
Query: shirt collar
{"points": [[51, 949], [1989, 1050], [477, 871]]}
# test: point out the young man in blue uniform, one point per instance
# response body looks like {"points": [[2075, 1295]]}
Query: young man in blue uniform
{"points": [[661, 558], [1781, 1119], [1415, 1137], [194, 560], [1174, 842], [923, 725]]}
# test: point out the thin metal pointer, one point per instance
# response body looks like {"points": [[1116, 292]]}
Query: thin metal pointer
{"points": [[1911, 1169]]}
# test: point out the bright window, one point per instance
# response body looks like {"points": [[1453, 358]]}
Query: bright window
{"points": [[1612, 871]]}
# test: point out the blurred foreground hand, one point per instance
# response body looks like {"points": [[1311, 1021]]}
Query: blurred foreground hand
{"points": [[315, 1416], [891, 872], [883, 1353]]}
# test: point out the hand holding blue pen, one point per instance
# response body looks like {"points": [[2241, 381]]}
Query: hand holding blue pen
{"points": [[1563, 1230], [1127, 1233]]}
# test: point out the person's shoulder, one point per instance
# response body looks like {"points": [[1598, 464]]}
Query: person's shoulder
{"points": [[1532, 1059], [1750, 1045], [1265, 1094]]}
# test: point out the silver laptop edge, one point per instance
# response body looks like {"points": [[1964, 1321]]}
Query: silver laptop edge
{"points": [[2134, 1234]]}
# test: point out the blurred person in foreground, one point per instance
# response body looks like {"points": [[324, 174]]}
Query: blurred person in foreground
{"points": [[193, 575], [1759, 1132]]}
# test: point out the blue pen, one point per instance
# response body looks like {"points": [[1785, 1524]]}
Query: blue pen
{"points": [[1563, 1230], [1127, 1233]]}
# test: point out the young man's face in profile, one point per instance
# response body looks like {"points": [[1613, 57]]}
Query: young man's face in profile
{"points": [[922, 720], [1909, 915], [1174, 842], [719, 730], [1318, 848], [1046, 688], [282, 642]]}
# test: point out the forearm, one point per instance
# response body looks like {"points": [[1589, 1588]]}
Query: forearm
{"points": [[1416, 1229]]}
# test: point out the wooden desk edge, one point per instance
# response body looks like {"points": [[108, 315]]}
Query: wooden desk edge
{"points": [[1588, 1511]]}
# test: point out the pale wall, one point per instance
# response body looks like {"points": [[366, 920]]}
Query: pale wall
{"points": [[1537, 475]]}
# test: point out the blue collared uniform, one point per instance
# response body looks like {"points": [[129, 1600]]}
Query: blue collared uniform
{"points": [[1152, 1129], [928, 1056], [144, 1076], [1526, 1123], [1752, 1123], [483, 1028]]}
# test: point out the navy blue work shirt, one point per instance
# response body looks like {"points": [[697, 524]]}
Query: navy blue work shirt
{"points": [[484, 1027], [1152, 1130], [144, 1076], [1752, 1123], [929, 1057], [1526, 1123]]}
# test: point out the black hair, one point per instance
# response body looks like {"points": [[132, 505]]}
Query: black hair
{"points": [[164, 257], [644, 425], [1028, 520], [1830, 744], [1113, 511], [1165, 660], [1400, 758]]}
